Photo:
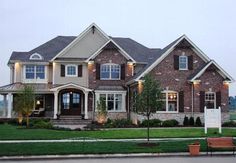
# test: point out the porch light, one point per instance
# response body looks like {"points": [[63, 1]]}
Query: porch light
{"points": [[226, 82], [130, 63], [195, 82], [90, 62], [38, 102]]}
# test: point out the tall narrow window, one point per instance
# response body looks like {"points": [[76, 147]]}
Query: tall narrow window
{"points": [[29, 72], [40, 72], [183, 62]]}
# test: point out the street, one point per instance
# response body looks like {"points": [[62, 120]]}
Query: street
{"points": [[214, 159]]}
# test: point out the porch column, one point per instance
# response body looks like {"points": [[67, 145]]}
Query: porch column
{"points": [[4, 105], [85, 105], [9, 105], [55, 105]]}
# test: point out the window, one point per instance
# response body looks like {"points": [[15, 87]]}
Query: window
{"points": [[170, 102], [71, 70], [35, 72], [113, 101], [110, 71], [183, 62], [66, 101], [210, 100], [76, 98], [36, 56]]}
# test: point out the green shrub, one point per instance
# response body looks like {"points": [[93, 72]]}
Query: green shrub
{"points": [[152, 123], [229, 124], [170, 123], [198, 122], [118, 123], [42, 124], [191, 121], [185, 123]]}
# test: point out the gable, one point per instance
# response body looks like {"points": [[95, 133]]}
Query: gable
{"points": [[88, 42], [182, 42]]}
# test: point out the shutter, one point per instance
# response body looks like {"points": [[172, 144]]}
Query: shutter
{"points": [[190, 62], [202, 101], [122, 68], [176, 62], [62, 70], [80, 69], [98, 71], [218, 99], [181, 101]]}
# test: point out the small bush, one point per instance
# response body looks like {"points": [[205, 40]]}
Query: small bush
{"points": [[152, 123], [185, 123], [118, 123], [43, 124], [170, 123], [229, 124], [191, 121], [198, 122]]}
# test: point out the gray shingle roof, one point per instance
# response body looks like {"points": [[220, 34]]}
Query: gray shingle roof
{"points": [[48, 50]]}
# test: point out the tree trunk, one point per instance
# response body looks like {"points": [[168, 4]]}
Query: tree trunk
{"points": [[148, 128], [27, 121]]}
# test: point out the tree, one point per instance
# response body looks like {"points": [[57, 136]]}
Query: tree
{"points": [[101, 110], [24, 102], [149, 99]]}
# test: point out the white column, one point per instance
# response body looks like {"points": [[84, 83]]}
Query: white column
{"points": [[86, 105], [5, 105], [9, 105], [55, 105]]}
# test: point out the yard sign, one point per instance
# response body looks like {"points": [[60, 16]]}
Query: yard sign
{"points": [[212, 118]]}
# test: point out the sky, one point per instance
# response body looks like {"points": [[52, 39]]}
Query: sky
{"points": [[210, 24]]}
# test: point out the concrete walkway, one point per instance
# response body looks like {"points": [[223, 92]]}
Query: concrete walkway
{"points": [[80, 139]]}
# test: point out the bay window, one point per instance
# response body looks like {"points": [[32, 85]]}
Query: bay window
{"points": [[114, 101]]}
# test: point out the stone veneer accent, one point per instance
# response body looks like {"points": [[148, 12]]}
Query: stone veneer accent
{"points": [[177, 116], [114, 115]]}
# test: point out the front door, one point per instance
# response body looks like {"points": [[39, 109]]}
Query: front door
{"points": [[71, 103]]}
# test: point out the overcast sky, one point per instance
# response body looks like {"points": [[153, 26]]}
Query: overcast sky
{"points": [[210, 24]]}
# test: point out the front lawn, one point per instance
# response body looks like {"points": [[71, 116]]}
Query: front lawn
{"points": [[10, 132], [93, 148]]}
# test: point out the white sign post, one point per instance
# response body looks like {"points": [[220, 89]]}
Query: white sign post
{"points": [[212, 118]]}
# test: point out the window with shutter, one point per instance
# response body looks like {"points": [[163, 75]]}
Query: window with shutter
{"points": [[98, 71], [170, 101], [202, 101], [190, 62], [181, 101], [176, 62], [80, 70], [62, 70]]}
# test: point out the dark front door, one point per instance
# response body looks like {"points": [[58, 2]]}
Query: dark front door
{"points": [[71, 103]]}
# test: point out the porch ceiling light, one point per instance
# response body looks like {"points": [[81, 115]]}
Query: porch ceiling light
{"points": [[90, 62], [38, 102]]}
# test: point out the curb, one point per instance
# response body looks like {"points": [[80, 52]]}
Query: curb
{"points": [[103, 156]]}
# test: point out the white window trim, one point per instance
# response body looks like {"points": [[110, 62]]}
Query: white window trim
{"points": [[123, 102], [76, 70], [110, 64], [186, 62], [214, 98], [166, 102], [35, 80], [36, 54]]}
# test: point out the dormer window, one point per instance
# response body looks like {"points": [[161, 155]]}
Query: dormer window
{"points": [[36, 56], [183, 62]]}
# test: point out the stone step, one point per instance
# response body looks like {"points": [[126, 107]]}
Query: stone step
{"points": [[71, 122], [70, 117]]}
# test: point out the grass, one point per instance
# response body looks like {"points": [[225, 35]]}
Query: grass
{"points": [[92, 148], [10, 132], [233, 116]]}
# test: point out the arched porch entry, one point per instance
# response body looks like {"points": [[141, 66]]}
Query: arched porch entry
{"points": [[71, 102], [70, 99]]}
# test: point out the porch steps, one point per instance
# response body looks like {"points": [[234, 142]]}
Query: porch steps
{"points": [[71, 120]]}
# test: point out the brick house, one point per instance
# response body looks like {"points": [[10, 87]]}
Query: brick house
{"points": [[70, 74]]}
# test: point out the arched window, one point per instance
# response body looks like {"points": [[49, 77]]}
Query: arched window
{"points": [[36, 56]]}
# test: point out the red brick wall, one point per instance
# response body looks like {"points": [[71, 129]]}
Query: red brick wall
{"points": [[108, 56]]}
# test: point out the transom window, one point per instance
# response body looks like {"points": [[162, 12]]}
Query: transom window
{"points": [[113, 101], [35, 72], [71, 70], [170, 101], [210, 100], [183, 62], [110, 71]]}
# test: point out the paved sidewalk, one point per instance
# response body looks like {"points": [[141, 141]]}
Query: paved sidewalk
{"points": [[97, 140]]}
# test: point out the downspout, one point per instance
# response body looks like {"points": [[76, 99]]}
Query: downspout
{"points": [[127, 101], [93, 107], [192, 99]]}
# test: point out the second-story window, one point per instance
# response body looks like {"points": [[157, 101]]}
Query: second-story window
{"points": [[183, 62], [110, 71], [35, 72], [71, 70]]}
